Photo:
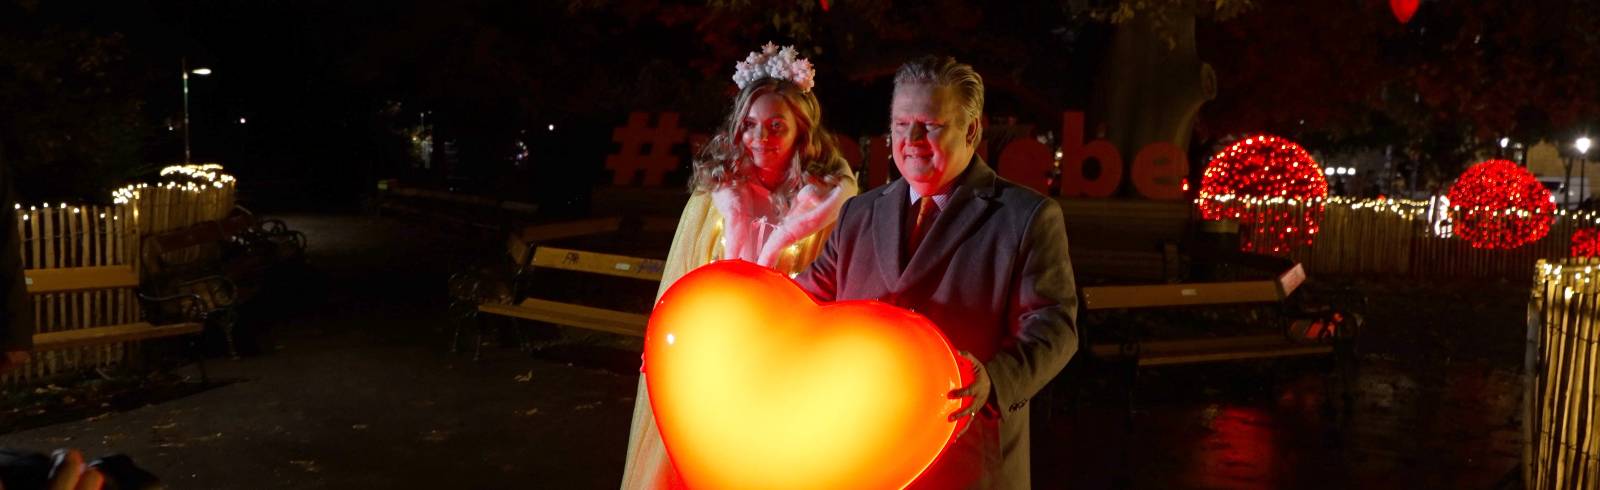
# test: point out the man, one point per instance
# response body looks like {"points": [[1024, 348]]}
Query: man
{"points": [[983, 258], [16, 318]]}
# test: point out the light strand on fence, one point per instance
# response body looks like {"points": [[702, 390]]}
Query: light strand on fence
{"points": [[199, 178]]}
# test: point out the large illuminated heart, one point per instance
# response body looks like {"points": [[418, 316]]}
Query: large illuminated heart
{"points": [[754, 385]]}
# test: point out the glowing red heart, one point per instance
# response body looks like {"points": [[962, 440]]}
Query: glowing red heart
{"points": [[754, 385], [1404, 9]]}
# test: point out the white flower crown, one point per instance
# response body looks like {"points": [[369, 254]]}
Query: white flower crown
{"points": [[772, 62]]}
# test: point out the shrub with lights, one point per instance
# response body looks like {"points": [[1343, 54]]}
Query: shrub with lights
{"points": [[1586, 242], [1270, 184], [1499, 205]]}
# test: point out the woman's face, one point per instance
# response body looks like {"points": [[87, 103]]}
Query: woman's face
{"points": [[768, 133]]}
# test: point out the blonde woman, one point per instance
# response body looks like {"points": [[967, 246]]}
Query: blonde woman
{"points": [[766, 189]]}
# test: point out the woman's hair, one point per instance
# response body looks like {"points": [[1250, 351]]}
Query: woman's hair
{"points": [[723, 160]]}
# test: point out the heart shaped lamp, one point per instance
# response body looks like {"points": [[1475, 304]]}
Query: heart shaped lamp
{"points": [[754, 385], [1404, 9]]}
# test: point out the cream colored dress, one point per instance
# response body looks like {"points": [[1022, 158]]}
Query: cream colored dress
{"points": [[698, 241]]}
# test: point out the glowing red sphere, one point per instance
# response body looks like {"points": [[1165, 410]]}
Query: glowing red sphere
{"points": [[1497, 204], [1586, 242], [1269, 183]]}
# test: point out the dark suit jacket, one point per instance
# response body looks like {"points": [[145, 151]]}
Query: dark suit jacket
{"points": [[16, 317], [993, 274]]}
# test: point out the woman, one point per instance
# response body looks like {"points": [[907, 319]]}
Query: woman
{"points": [[766, 189]]}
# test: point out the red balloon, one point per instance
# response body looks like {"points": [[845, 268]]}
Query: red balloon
{"points": [[754, 385], [1404, 9]]}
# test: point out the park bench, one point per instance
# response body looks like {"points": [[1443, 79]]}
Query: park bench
{"points": [[164, 315], [188, 262], [266, 241], [1219, 275], [1279, 323], [528, 251], [1305, 334]]}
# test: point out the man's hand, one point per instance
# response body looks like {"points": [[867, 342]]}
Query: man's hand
{"points": [[13, 359], [978, 391], [70, 473]]}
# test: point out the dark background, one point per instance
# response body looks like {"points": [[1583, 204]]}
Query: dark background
{"points": [[332, 91]]}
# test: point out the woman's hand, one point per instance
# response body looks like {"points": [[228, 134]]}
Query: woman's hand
{"points": [[812, 210], [745, 207]]}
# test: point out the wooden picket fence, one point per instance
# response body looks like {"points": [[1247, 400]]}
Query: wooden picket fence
{"points": [[64, 235], [1561, 446], [1370, 237]]}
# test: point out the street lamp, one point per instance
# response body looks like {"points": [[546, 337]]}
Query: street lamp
{"points": [[1583, 158], [186, 71]]}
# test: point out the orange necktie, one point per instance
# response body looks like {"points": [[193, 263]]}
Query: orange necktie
{"points": [[920, 224]]}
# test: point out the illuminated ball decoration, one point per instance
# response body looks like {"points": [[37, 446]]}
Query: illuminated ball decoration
{"points": [[1497, 204], [1270, 184], [1586, 242]]}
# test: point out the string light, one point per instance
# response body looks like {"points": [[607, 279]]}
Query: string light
{"points": [[1497, 204], [1260, 181], [196, 178]]}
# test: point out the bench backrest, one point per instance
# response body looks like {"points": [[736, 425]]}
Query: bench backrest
{"points": [[1191, 294], [199, 244], [236, 224], [598, 263], [43, 281], [524, 240]]}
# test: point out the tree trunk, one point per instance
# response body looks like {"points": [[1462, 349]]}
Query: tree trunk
{"points": [[1148, 91]]}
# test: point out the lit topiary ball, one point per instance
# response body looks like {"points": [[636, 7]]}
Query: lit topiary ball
{"points": [[1497, 204], [1269, 183]]}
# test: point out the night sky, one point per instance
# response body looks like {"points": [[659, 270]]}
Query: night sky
{"points": [[329, 90]]}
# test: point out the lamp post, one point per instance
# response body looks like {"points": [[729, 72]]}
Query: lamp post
{"points": [[186, 71], [1582, 145]]}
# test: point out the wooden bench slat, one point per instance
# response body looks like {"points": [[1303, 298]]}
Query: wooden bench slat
{"points": [[202, 233], [599, 263], [573, 315], [517, 244], [1189, 351], [568, 229], [1155, 295], [40, 281], [1286, 350], [1204, 343], [110, 334]]}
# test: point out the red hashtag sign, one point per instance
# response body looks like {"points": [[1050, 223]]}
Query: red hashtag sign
{"points": [[646, 148]]}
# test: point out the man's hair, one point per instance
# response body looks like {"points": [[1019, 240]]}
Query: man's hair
{"points": [[944, 71]]}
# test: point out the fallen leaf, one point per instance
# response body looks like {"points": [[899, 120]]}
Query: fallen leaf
{"points": [[359, 427], [523, 378], [436, 436]]}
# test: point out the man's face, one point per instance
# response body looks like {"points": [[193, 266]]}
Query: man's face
{"points": [[931, 139]]}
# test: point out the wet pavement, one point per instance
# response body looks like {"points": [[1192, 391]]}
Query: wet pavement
{"points": [[353, 387]]}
